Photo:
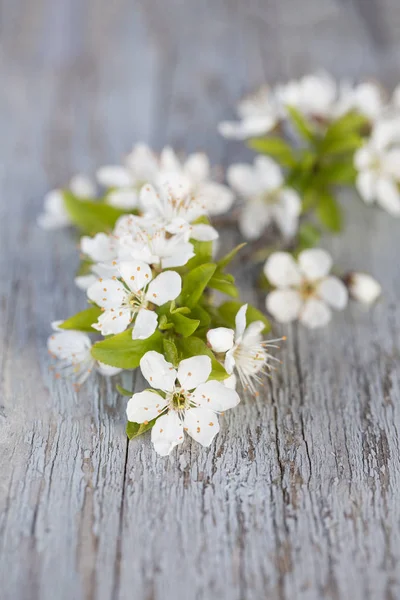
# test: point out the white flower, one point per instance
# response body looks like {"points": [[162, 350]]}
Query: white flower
{"points": [[100, 248], [141, 167], [258, 116], [378, 166], [396, 98], [267, 199], [366, 98], [314, 96], [245, 349], [72, 349], [127, 300], [363, 287], [189, 402], [305, 291], [55, 215]]}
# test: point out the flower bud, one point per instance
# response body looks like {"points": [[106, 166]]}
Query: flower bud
{"points": [[363, 287]]}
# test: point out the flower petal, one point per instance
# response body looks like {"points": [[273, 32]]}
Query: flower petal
{"points": [[178, 257], [107, 293], [215, 396], [165, 287], [286, 212], [111, 321], [315, 263], [114, 176], [82, 187], [100, 248], [242, 178], [197, 167], [255, 217], [282, 270], [145, 406], [193, 371], [315, 314], [253, 332], [201, 424], [230, 361], [167, 433], [333, 291], [220, 339], [123, 198], [203, 233], [366, 185], [158, 372], [107, 370], [68, 344], [145, 324], [240, 321], [388, 196], [217, 198], [284, 305], [269, 173], [83, 282], [135, 273], [363, 287]]}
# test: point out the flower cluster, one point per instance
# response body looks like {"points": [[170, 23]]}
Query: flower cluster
{"points": [[149, 251]]}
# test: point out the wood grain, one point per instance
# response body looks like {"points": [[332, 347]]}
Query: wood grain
{"points": [[298, 497]]}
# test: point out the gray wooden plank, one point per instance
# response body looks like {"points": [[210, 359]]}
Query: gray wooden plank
{"points": [[298, 496]]}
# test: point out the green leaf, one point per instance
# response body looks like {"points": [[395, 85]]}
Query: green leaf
{"points": [[133, 430], [198, 312], [338, 173], [122, 351], [308, 236], [184, 325], [228, 312], [300, 123], [171, 351], [275, 147], [123, 391], [341, 145], [91, 217], [225, 260], [83, 320], [194, 284], [194, 346], [351, 122], [328, 212], [223, 283]]}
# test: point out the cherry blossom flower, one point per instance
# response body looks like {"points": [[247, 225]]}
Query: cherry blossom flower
{"points": [[129, 299], [305, 291], [55, 215], [258, 116], [267, 198], [363, 288], [378, 166], [245, 351], [72, 350], [366, 98], [188, 402], [124, 182]]}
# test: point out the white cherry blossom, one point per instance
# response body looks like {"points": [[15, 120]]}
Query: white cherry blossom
{"points": [[366, 98], [305, 291], [378, 166], [314, 96], [245, 350], [258, 116], [363, 288], [72, 349], [55, 215], [267, 199], [128, 299], [188, 402]]}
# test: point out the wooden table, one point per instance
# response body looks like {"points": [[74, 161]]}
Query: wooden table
{"points": [[299, 497]]}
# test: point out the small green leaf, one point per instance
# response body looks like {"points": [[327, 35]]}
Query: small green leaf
{"points": [[338, 173], [184, 325], [275, 147], [83, 320], [308, 236], [329, 213], [300, 123], [194, 346], [171, 351], [91, 217], [351, 122], [228, 312], [133, 430], [341, 145], [198, 312], [225, 260], [123, 391], [194, 284], [223, 283], [122, 351]]}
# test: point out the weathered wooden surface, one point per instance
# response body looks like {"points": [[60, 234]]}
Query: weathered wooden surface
{"points": [[299, 496]]}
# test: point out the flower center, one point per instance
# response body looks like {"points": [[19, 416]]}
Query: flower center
{"points": [[271, 198], [136, 300], [179, 400], [307, 290]]}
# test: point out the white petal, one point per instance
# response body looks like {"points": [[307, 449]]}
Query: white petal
{"points": [[145, 406], [82, 186], [145, 324], [193, 371], [55, 215], [107, 293], [364, 158], [269, 173], [201, 424], [142, 163], [68, 344], [388, 196], [150, 200], [315, 314], [123, 198], [284, 305], [114, 176], [112, 322], [240, 321], [217, 198], [197, 167], [169, 160], [165, 287], [107, 370], [167, 433], [158, 372], [215, 396], [220, 339], [333, 291], [255, 217], [287, 211], [366, 185], [364, 288], [179, 256], [282, 270], [135, 273], [83, 282], [204, 233], [230, 382], [100, 248], [315, 263], [230, 361], [242, 178], [253, 332]]}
